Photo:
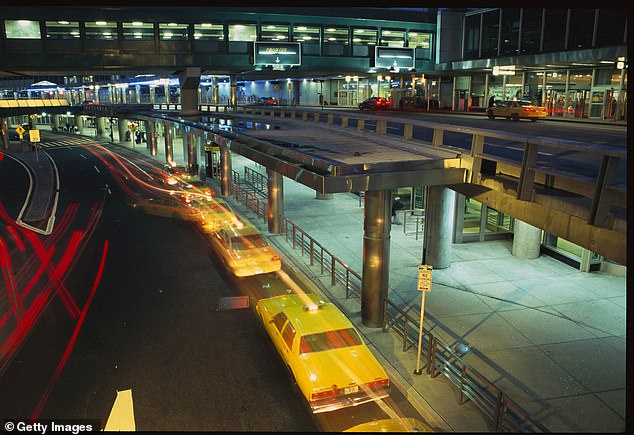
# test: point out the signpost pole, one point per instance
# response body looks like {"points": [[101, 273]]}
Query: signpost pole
{"points": [[424, 285]]}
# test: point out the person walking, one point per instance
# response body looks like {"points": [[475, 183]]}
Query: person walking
{"points": [[396, 206]]}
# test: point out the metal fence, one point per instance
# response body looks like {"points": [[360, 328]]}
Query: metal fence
{"points": [[506, 414]]}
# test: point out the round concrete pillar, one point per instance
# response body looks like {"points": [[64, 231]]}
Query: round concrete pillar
{"points": [[123, 129], [55, 120], [275, 200], [376, 256], [527, 240], [439, 221], [225, 171], [319, 195], [100, 123], [169, 150], [79, 122], [151, 138]]}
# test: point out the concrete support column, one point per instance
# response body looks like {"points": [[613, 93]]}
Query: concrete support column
{"points": [[169, 150], [376, 256], [527, 240], [100, 123], [185, 136], [123, 128], [152, 143], [225, 171], [275, 200], [189, 80], [55, 120], [190, 152], [296, 93], [319, 195], [214, 90], [4, 126], [439, 222], [79, 122], [233, 98]]}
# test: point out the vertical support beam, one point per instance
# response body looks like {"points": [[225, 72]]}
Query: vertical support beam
{"points": [[192, 156], [527, 240], [4, 125], [439, 224], [275, 200], [100, 123], [601, 203], [169, 151], [477, 147], [408, 130], [233, 96], [344, 121], [527, 173], [79, 122], [331, 119], [381, 126], [225, 171], [316, 117], [123, 128], [304, 116], [376, 256], [189, 80], [361, 124], [55, 126], [438, 137], [151, 138]]}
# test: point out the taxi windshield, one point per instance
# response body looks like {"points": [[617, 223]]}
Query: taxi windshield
{"points": [[329, 340]]}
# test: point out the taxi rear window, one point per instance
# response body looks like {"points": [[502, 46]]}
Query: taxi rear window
{"points": [[248, 242], [328, 340]]}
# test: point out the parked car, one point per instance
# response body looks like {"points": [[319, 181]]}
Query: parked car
{"points": [[375, 103], [169, 208], [216, 214], [244, 251], [516, 109], [268, 101], [326, 355]]}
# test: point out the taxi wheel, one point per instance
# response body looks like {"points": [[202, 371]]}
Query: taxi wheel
{"points": [[515, 117], [490, 114], [533, 119]]}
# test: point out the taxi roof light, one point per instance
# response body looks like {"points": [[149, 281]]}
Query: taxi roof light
{"points": [[314, 307]]}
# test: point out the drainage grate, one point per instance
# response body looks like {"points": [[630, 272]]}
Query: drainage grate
{"points": [[233, 303]]}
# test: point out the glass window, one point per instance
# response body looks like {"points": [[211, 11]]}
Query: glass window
{"points": [[419, 40], [364, 36], [242, 32], [336, 41], [472, 36], [209, 32], [554, 29], [393, 38], [581, 26], [173, 31], [328, 340], [288, 334], [611, 27], [101, 30], [363, 42], [510, 31], [310, 38], [273, 32], [22, 29], [531, 30], [279, 320], [62, 29], [138, 30], [490, 33]]}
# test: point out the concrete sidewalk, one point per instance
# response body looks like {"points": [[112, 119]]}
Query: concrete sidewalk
{"points": [[551, 337]]}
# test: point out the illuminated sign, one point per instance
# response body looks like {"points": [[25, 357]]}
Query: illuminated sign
{"points": [[277, 53], [394, 57], [504, 70]]}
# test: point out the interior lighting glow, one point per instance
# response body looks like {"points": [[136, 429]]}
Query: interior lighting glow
{"points": [[307, 38], [63, 22], [168, 35], [172, 24], [137, 23], [270, 27], [107, 33], [74, 32], [238, 27], [332, 39], [331, 30], [413, 34], [387, 32], [24, 22], [302, 28], [100, 23], [206, 24], [197, 35]]}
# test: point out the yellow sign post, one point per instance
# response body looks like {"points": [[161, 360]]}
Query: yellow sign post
{"points": [[424, 286]]}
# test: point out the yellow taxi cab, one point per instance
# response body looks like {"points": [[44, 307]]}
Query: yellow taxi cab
{"points": [[516, 109], [216, 214], [392, 425], [245, 251], [331, 364], [168, 208]]}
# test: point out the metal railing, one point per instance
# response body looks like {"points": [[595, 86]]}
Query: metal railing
{"points": [[506, 414], [257, 180], [440, 359]]}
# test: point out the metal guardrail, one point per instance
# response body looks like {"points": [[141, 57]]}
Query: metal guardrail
{"points": [[255, 179], [506, 414]]}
